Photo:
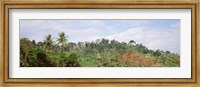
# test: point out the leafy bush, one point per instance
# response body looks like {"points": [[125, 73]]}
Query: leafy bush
{"points": [[72, 60]]}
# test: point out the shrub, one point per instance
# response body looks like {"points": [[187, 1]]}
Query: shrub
{"points": [[130, 59], [71, 60]]}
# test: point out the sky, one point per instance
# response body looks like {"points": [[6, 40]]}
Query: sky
{"points": [[154, 34]]}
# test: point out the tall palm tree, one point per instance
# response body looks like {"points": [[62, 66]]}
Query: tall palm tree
{"points": [[48, 42], [62, 40]]}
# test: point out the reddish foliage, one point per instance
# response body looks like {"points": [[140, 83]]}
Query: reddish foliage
{"points": [[135, 59]]}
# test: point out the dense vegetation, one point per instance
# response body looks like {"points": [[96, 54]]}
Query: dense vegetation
{"points": [[59, 52]]}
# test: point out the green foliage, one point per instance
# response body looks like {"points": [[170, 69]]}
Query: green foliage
{"points": [[62, 39], [99, 53], [33, 58], [70, 59], [88, 62], [157, 53], [48, 42], [25, 49], [169, 60]]}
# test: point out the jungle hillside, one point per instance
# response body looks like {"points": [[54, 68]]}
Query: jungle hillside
{"points": [[59, 52]]}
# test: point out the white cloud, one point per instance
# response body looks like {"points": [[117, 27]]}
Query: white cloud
{"points": [[90, 30], [163, 40], [38, 29], [176, 26]]}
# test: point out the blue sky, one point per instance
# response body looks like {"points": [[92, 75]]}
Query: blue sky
{"points": [[155, 34]]}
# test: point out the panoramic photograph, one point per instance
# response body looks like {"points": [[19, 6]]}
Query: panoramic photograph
{"points": [[99, 43]]}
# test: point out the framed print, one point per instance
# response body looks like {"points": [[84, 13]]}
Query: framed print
{"points": [[104, 47], [100, 42]]}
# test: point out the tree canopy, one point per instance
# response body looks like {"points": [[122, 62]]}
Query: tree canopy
{"points": [[99, 53]]}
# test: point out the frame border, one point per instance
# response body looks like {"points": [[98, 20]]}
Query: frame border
{"points": [[96, 5]]}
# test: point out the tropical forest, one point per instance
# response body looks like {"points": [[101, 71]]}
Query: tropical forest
{"points": [[60, 52]]}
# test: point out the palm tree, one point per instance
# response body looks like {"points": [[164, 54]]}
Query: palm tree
{"points": [[48, 42], [62, 40]]}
